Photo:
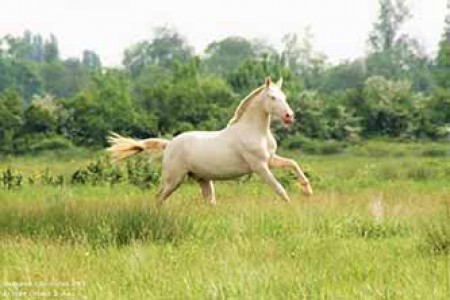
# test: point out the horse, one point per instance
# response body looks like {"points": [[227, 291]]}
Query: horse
{"points": [[245, 146]]}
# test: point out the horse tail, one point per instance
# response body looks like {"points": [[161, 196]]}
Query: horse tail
{"points": [[123, 147]]}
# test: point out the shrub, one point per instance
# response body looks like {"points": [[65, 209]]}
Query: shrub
{"points": [[138, 172], [10, 179], [436, 152], [311, 146], [41, 142], [436, 236], [52, 143]]}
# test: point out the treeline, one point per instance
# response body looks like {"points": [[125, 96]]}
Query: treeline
{"points": [[165, 88]]}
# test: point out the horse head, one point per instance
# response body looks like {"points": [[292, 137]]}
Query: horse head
{"points": [[274, 101]]}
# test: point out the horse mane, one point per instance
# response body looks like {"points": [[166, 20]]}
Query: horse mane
{"points": [[243, 105]]}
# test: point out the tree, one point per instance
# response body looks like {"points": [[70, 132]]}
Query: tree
{"points": [[224, 56], [251, 72], [166, 47], [387, 106], [19, 47], [299, 55], [386, 33], [347, 75], [27, 47], [91, 60], [10, 119], [39, 116], [76, 77], [188, 100], [393, 54], [442, 64], [26, 78], [87, 117], [6, 74], [51, 50], [37, 48], [52, 75]]}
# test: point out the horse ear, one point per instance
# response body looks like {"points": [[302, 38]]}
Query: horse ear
{"points": [[280, 82], [267, 82]]}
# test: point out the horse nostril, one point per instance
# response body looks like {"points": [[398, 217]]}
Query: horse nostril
{"points": [[288, 115]]}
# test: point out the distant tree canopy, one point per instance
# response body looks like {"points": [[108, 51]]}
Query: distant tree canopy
{"points": [[166, 47], [223, 57], [442, 68], [165, 88]]}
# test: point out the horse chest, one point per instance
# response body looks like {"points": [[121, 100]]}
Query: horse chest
{"points": [[261, 147]]}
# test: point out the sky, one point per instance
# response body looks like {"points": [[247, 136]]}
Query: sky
{"points": [[340, 27]]}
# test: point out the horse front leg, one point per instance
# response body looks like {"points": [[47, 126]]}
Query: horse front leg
{"points": [[286, 163], [207, 187], [264, 171]]}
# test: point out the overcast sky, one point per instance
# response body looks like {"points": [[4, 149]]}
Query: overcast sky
{"points": [[340, 27]]}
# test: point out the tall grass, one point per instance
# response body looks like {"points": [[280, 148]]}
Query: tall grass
{"points": [[377, 228]]}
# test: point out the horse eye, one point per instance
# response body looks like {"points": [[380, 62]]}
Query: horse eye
{"points": [[273, 97]]}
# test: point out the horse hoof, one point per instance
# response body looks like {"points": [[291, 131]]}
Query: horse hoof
{"points": [[307, 189], [287, 199]]}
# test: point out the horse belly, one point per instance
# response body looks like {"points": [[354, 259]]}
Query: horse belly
{"points": [[216, 163]]}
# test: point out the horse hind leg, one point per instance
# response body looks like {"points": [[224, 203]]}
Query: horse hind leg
{"points": [[171, 183]]}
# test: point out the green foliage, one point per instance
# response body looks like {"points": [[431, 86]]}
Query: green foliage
{"points": [[347, 75], [10, 179], [311, 146], [394, 91], [300, 57], [442, 64], [51, 51], [442, 69], [91, 60], [105, 106], [436, 234], [137, 172], [321, 118], [166, 47], [64, 79], [251, 73], [386, 106], [185, 100], [224, 56], [393, 14], [10, 119], [38, 120], [37, 142]]}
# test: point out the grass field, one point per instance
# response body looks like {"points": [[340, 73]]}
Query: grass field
{"points": [[378, 227]]}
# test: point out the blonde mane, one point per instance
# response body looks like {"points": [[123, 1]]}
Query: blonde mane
{"points": [[242, 107]]}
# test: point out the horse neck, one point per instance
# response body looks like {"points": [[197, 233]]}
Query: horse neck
{"points": [[256, 118]]}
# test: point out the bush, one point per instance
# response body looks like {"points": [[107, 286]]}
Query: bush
{"points": [[311, 146], [436, 152], [436, 236], [138, 172], [52, 143], [10, 179], [421, 173], [41, 142]]}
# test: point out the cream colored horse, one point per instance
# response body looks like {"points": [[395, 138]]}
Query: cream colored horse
{"points": [[245, 146]]}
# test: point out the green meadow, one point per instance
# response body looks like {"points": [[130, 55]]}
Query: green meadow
{"points": [[377, 227]]}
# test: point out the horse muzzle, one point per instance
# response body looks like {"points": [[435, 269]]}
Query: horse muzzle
{"points": [[287, 119]]}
